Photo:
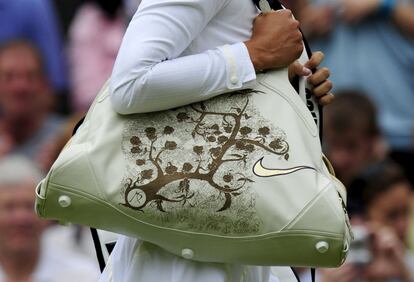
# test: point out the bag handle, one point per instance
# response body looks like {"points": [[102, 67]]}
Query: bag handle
{"points": [[267, 6]]}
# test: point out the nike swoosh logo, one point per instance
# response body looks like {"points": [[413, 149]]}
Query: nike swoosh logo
{"points": [[262, 171]]}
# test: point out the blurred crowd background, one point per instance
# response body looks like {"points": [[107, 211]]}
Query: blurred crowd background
{"points": [[56, 54]]}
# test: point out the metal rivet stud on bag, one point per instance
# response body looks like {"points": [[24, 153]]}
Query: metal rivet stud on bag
{"points": [[187, 253], [322, 247], [64, 201]]}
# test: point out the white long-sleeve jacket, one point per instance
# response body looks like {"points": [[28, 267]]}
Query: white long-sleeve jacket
{"points": [[177, 52]]}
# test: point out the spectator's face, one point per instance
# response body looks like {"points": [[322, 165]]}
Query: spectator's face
{"points": [[22, 85], [349, 152], [20, 228], [392, 208]]}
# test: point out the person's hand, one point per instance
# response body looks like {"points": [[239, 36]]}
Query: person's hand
{"points": [[319, 79], [276, 40], [345, 273], [354, 11]]}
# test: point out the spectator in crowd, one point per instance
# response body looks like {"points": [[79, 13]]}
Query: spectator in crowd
{"points": [[35, 21], [380, 201], [26, 126], [94, 39], [369, 45], [22, 256], [352, 139]]}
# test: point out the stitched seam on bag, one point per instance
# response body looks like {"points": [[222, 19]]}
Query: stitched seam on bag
{"points": [[83, 154], [89, 115], [87, 147], [286, 233], [306, 207], [105, 94], [76, 190], [91, 110], [98, 187], [298, 111]]}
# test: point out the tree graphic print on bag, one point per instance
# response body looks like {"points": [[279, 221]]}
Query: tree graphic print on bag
{"points": [[209, 149]]}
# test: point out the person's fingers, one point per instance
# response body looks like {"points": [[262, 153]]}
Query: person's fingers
{"points": [[326, 99], [315, 60], [323, 88], [298, 69], [319, 76]]}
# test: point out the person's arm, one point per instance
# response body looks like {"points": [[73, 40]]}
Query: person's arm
{"points": [[148, 76]]}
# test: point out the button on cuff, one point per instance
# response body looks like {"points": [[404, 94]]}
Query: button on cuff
{"points": [[234, 79]]}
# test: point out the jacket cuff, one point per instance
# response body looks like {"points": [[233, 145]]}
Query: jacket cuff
{"points": [[239, 67]]}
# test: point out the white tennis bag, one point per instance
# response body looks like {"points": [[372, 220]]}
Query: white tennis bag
{"points": [[237, 179]]}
